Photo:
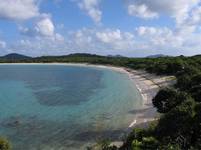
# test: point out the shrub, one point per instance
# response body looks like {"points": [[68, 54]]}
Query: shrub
{"points": [[168, 98], [4, 144]]}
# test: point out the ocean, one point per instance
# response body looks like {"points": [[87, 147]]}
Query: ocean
{"points": [[61, 107]]}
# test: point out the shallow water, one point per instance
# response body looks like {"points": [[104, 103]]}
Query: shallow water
{"points": [[64, 107]]}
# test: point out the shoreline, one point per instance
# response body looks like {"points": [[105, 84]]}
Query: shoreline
{"points": [[146, 83]]}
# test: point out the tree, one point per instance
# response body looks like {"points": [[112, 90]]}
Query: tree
{"points": [[136, 145], [175, 66], [196, 136], [136, 134], [150, 143], [184, 82], [177, 123], [170, 146], [195, 87], [4, 144], [146, 143], [168, 98]]}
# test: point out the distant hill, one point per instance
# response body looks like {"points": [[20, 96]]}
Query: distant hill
{"points": [[117, 56], [15, 56], [82, 55], [157, 56]]}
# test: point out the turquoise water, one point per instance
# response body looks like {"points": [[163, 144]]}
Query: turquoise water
{"points": [[64, 107]]}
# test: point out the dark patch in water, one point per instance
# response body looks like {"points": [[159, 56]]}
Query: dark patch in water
{"points": [[74, 87], [49, 98], [57, 85], [98, 135]]}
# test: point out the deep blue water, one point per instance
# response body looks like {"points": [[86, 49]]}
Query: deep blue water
{"points": [[64, 107]]}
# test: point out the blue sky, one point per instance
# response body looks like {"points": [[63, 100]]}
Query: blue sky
{"points": [[126, 27]]}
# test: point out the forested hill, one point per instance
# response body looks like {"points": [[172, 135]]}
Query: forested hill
{"points": [[159, 65], [179, 127], [13, 57]]}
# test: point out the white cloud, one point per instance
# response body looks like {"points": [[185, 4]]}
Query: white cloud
{"points": [[45, 27], [82, 38], [91, 7], [42, 36], [177, 9], [190, 24], [141, 11], [159, 37], [59, 37], [116, 39], [2, 44], [18, 9], [181, 38], [39, 46], [103, 41], [109, 36], [153, 31], [143, 41], [194, 18]]}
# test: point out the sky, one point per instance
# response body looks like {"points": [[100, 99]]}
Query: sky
{"points": [[132, 28]]}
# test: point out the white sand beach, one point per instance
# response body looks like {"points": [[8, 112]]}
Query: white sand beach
{"points": [[148, 85]]}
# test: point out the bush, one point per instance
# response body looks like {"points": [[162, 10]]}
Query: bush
{"points": [[4, 144], [170, 147], [177, 123], [136, 145], [184, 82], [149, 143], [105, 145], [168, 98]]}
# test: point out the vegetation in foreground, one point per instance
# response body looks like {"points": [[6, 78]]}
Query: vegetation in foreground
{"points": [[4, 144], [179, 127]]}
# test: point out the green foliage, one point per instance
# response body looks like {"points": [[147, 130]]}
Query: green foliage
{"points": [[191, 84], [170, 147], [105, 145], [184, 82], [168, 98], [139, 138], [149, 143], [137, 134], [136, 145], [176, 125], [196, 136], [4, 144], [195, 88], [145, 143]]}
